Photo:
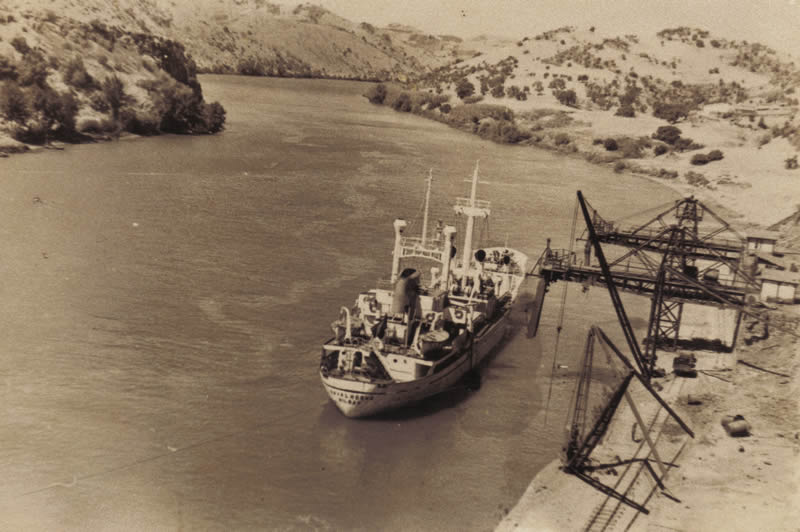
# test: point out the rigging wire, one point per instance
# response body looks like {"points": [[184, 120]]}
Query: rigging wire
{"points": [[561, 314]]}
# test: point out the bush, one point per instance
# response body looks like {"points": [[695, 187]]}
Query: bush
{"points": [[464, 88], [699, 159], [13, 103], [561, 139], [97, 127], [498, 91], [445, 108], [626, 110], [503, 131], [610, 144], [671, 112], [684, 144], [668, 134], [660, 149], [98, 102], [114, 93], [8, 70], [567, 97], [214, 116], [33, 70], [714, 155], [475, 98], [20, 45], [693, 178], [402, 103], [376, 94], [620, 166], [75, 74], [141, 124]]}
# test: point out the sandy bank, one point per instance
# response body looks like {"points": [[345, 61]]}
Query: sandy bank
{"points": [[748, 483]]}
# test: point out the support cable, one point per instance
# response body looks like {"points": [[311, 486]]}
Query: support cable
{"points": [[561, 314]]}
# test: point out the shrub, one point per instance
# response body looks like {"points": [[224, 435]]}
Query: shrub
{"points": [[376, 94], [714, 155], [620, 166], [498, 91], [610, 144], [445, 108], [660, 149], [20, 45], [33, 70], [402, 103], [503, 131], [97, 127], [58, 110], [791, 163], [475, 98], [632, 148], [98, 102], [684, 144], [8, 70], [626, 110], [114, 93], [693, 178], [214, 116], [567, 97], [595, 142], [561, 139], [75, 74], [464, 88], [13, 103], [146, 124], [671, 112], [699, 159], [668, 134]]}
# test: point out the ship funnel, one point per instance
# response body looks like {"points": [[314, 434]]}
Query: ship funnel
{"points": [[399, 226]]}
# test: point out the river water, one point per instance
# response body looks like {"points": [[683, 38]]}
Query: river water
{"points": [[164, 300]]}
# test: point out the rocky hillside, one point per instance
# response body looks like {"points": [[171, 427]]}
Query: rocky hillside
{"points": [[259, 38], [63, 78], [714, 117]]}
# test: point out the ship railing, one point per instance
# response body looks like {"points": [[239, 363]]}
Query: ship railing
{"points": [[466, 202]]}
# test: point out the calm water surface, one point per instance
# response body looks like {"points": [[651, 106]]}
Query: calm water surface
{"points": [[164, 301]]}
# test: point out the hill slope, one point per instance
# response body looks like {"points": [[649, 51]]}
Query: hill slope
{"points": [[256, 37], [65, 78], [711, 116]]}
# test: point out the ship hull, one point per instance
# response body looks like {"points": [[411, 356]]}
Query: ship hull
{"points": [[361, 398]]}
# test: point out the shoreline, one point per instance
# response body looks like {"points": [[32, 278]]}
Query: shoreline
{"points": [[744, 483]]}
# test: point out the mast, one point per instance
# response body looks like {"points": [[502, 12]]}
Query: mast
{"points": [[427, 202], [472, 208]]}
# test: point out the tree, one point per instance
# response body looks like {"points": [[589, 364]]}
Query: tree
{"points": [[402, 103], [671, 112], [114, 92], [33, 70], [58, 110], [567, 97], [13, 104], [377, 93], [75, 74], [214, 115], [464, 88], [20, 45], [668, 134]]}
